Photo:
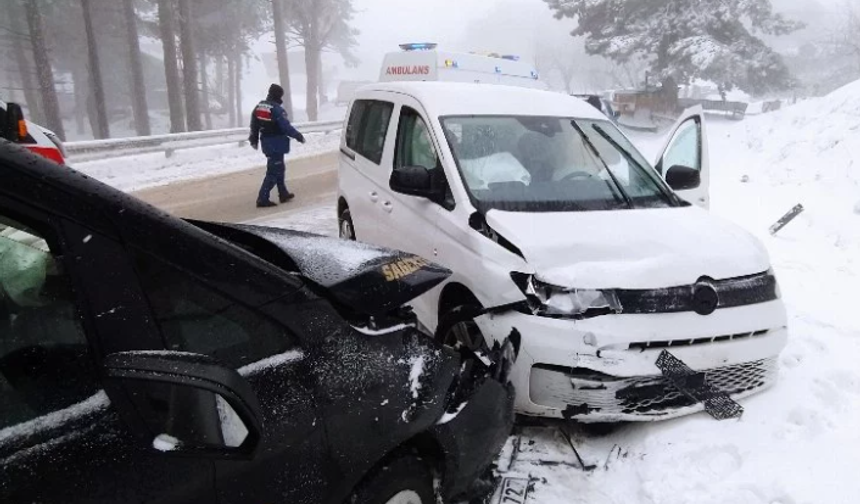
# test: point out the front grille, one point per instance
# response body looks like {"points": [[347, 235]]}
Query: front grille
{"points": [[641, 395], [645, 345], [732, 292]]}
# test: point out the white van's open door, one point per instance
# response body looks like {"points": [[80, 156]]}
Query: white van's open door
{"points": [[687, 147]]}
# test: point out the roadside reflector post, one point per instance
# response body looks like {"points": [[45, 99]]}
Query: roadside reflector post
{"points": [[785, 219]]}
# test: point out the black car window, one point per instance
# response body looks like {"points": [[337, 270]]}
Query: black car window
{"points": [[195, 318], [367, 127], [45, 362]]}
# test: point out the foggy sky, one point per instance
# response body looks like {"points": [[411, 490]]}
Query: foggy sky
{"points": [[460, 25]]}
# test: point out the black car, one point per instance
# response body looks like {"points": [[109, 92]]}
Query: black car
{"points": [[144, 358]]}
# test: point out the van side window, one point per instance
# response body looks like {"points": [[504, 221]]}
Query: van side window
{"points": [[414, 146], [194, 318], [367, 127], [354, 125]]}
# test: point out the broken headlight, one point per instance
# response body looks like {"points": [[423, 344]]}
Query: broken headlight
{"points": [[548, 300]]}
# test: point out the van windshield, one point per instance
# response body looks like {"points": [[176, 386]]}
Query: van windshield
{"points": [[551, 164]]}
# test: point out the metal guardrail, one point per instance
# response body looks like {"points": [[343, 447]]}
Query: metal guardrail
{"points": [[91, 150]]}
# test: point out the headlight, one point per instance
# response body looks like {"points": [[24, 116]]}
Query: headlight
{"points": [[552, 301]]}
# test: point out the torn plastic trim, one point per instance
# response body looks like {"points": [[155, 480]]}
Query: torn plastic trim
{"points": [[478, 222]]}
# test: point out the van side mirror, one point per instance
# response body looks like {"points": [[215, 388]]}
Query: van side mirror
{"points": [[681, 178], [14, 127], [417, 181], [183, 403]]}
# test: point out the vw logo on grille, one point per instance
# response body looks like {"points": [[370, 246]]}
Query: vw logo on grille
{"points": [[705, 298]]}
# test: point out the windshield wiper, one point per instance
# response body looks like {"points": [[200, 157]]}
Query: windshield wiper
{"points": [[596, 153], [630, 159]]}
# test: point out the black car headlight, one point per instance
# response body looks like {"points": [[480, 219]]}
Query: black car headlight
{"points": [[552, 301]]}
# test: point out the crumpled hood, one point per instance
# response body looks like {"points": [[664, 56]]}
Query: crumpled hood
{"points": [[631, 249], [368, 279]]}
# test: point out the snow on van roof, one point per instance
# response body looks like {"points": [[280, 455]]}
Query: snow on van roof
{"points": [[457, 98]]}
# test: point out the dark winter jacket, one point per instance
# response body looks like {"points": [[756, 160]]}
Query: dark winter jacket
{"points": [[270, 126]]}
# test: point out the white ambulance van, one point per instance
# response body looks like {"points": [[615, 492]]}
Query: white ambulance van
{"points": [[424, 62], [624, 298]]}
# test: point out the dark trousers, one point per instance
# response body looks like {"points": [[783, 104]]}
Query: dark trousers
{"points": [[276, 171]]}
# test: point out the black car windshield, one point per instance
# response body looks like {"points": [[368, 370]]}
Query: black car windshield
{"points": [[551, 164]]}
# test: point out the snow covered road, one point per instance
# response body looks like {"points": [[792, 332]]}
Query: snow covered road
{"points": [[231, 197]]}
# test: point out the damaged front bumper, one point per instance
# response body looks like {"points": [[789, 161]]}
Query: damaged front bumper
{"points": [[603, 369]]}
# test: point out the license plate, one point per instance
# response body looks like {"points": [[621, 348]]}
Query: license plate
{"points": [[513, 491]]}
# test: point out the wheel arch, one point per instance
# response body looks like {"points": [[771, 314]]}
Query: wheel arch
{"points": [[456, 294]]}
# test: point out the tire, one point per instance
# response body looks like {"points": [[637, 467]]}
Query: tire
{"points": [[346, 230], [403, 480], [454, 332]]}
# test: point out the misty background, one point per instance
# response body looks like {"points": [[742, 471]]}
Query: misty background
{"points": [[234, 50]]}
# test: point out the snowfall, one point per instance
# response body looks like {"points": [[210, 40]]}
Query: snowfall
{"points": [[798, 442]]}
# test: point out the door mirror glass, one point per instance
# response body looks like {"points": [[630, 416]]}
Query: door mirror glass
{"points": [[184, 421], [682, 178], [415, 181], [184, 402], [685, 148]]}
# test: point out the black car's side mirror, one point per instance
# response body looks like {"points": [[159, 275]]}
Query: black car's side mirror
{"points": [[184, 403], [681, 178], [12, 125], [417, 181]]}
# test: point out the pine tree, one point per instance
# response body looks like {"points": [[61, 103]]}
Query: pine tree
{"points": [[320, 25], [687, 39], [139, 106]]}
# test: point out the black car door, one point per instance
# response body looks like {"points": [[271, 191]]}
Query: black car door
{"points": [[263, 342], [68, 296]]}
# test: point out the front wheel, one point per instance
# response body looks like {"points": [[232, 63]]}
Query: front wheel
{"points": [[345, 227], [405, 480]]}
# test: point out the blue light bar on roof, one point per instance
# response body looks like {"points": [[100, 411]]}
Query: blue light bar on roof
{"points": [[418, 46], [511, 57]]}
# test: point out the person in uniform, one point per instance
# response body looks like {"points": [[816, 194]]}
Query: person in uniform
{"points": [[271, 128]]}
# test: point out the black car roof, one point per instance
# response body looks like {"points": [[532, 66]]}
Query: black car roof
{"points": [[75, 184], [63, 191]]}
